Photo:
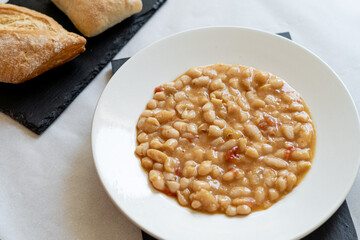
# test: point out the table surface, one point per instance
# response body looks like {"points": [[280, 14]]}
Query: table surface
{"points": [[49, 186]]}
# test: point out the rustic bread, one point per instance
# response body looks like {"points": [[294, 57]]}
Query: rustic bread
{"points": [[92, 17], [32, 43]]}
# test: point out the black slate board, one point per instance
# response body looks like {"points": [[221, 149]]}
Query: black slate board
{"points": [[339, 226], [37, 103]]}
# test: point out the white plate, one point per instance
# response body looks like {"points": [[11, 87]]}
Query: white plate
{"points": [[303, 210]]}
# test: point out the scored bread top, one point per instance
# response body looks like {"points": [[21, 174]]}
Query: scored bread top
{"points": [[95, 16], [32, 43]]}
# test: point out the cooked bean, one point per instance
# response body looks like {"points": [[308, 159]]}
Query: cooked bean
{"points": [[198, 185], [164, 116], [259, 194], [169, 176], [170, 132], [217, 102], [147, 163], [184, 105], [252, 132], [251, 152], [198, 154], [243, 201], [281, 184], [257, 103], [192, 128], [170, 144], [261, 77], [288, 132], [180, 126], [156, 143], [194, 72], [217, 141], [185, 182], [179, 84], [216, 85], [209, 116], [210, 72], [204, 168], [229, 176], [158, 166], [216, 172], [171, 164], [182, 199], [269, 177], [185, 79], [276, 82], [243, 103], [157, 179], [173, 186], [234, 83], [296, 107], [291, 180], [301, 117], [233, 71], [142, 137], [242, 144], [228, 145], [224, 201], [243, 209], [273, 194], [201, 81], [207, 200], [141, 149], [275, 162], [156, 155], [230, 211], [188, 114], [207, 107], [190, 169], [149, 125], [233, 108], [152, 104], [267, 148], [214, 131], [221, 123], [300, 154], [303, 166], [239, 192], [196, 204], [160, 96]]}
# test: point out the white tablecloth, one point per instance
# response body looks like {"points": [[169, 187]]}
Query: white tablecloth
{"points": [[49, 188]]}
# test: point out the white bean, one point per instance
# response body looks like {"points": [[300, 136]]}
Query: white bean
{"points": [[228, 145], [170, 132], [173, 186], [204, 168], [209, 116], [156, 155], [239, 192], [214, 131], [252, 132], [275, 162], [157, 179], [243, 209]]}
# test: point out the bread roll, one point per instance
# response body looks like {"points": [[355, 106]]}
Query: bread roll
{"points": [[32, 43], [93, 17]]}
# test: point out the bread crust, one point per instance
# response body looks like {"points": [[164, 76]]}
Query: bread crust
{"points": [[32, 43], [94, 17]]}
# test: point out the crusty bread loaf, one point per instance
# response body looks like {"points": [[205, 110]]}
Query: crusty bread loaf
{"points": [[32, 43], [93, 17]]}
